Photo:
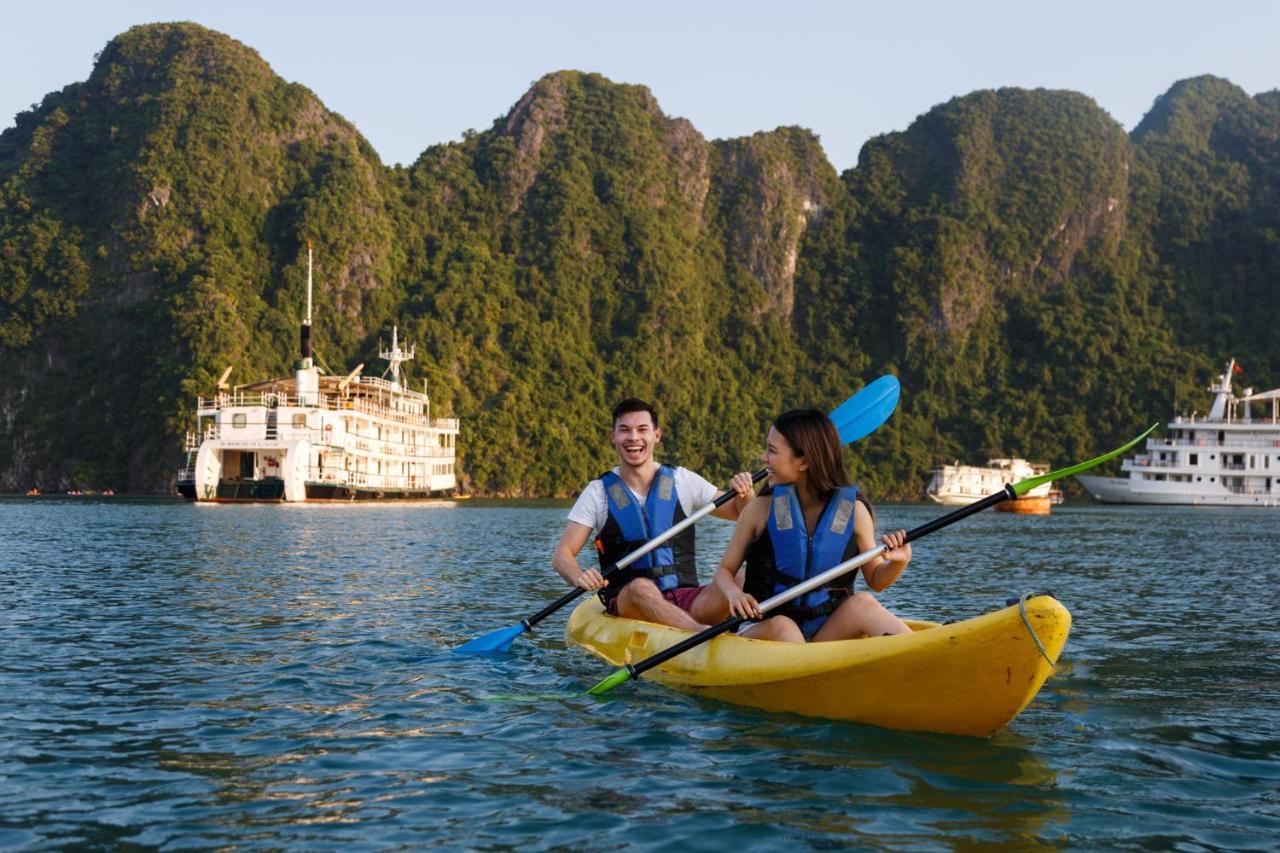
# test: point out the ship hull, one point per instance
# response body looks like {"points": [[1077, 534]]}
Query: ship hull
{"points": [[315, 493], [954, 500], [1031, 505], [326, 492], [1119, 490]]}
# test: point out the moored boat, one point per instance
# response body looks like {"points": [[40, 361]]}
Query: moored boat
{"points": [[1229, 457], [313, 437], [961, 485], [968, 678]]}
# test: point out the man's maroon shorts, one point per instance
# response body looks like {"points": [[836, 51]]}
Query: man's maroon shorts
{"points": [[682, 597]]}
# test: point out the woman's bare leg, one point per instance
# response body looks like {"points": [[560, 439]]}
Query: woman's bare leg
{"points": [[782, 629], [860, 616]]}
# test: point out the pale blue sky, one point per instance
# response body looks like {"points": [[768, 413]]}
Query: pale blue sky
{"points": [[410, 75]]}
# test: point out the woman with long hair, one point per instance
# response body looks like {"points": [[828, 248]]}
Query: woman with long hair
{"points": [[808, 520]]}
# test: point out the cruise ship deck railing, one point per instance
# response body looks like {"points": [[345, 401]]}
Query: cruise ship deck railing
{"points": [[1134, 464], [324, 438], [328, 402], [1205, 443]]}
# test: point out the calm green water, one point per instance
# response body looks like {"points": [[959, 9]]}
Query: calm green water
{"points": [[273, 676]]}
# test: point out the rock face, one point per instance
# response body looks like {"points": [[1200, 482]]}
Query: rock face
{"points": [[776, 184], [1208, 198], [1001, 191], [1032, 274]]}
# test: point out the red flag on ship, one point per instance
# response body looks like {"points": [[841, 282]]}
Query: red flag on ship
{"points": [[1237, 368]]}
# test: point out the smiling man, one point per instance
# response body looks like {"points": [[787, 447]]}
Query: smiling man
{"points": [[636, 501]]}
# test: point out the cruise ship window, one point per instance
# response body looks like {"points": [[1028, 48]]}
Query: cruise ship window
{"points": [[299, 421], [239, 420]]}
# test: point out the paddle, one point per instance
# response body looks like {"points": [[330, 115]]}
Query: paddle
{"points": [[855, 418], [1009, 492]]}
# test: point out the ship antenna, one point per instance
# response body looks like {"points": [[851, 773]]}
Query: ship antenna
{"points": [[308, 282], [306, 323], [395, 355]]}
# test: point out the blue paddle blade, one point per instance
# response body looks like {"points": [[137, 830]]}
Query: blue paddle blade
{"points": [[865, 411], [494, 642]]}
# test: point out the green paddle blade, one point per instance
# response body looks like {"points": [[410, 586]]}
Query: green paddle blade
{"points": [[1024, 486], [621, 676]]}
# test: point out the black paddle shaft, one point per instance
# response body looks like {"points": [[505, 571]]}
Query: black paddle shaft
{"points": [[1007, 493], [734, 621], [612, 567]]}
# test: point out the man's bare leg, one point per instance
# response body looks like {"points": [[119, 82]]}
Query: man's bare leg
{"points": [[641, 599]]}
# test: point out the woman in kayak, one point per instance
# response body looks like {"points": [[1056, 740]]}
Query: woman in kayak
{"points": [[809, 520]]}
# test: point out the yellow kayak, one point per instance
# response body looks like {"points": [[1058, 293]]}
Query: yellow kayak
{"points": [[965, 678]]}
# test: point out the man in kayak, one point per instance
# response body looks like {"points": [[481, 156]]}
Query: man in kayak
{"points": [[636, 501]]}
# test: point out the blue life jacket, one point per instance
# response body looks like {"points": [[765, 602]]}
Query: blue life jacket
{"points": [[631, 524], [785, 555]]}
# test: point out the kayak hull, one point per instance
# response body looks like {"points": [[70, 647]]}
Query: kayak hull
{"points": [[966, 678]]}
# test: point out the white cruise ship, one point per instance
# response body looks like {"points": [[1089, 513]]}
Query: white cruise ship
{"points": [[311, 437], [1230, 457], [958, 485]]}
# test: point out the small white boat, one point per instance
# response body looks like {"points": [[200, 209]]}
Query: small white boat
{"points": [[958, 485]]}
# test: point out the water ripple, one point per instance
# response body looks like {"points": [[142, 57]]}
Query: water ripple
{"points": [[177, 676]]}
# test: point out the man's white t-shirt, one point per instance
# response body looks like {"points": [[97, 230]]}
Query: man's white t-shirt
{"points": [[592, 507]]}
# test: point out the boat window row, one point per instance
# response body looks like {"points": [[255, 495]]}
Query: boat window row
{"points": [[1230, 461], [1232, 484]]}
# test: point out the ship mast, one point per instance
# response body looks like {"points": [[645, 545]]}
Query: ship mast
{"points": [[307, 375], [1221, 391], [396, 356], [306, 322]]}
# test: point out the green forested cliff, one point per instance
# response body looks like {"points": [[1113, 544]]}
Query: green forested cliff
{"points": [[1042, 283]]}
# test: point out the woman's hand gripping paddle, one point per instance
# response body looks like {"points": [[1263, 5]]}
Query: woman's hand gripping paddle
{"points": [[1009, 492], [855, 418]]}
